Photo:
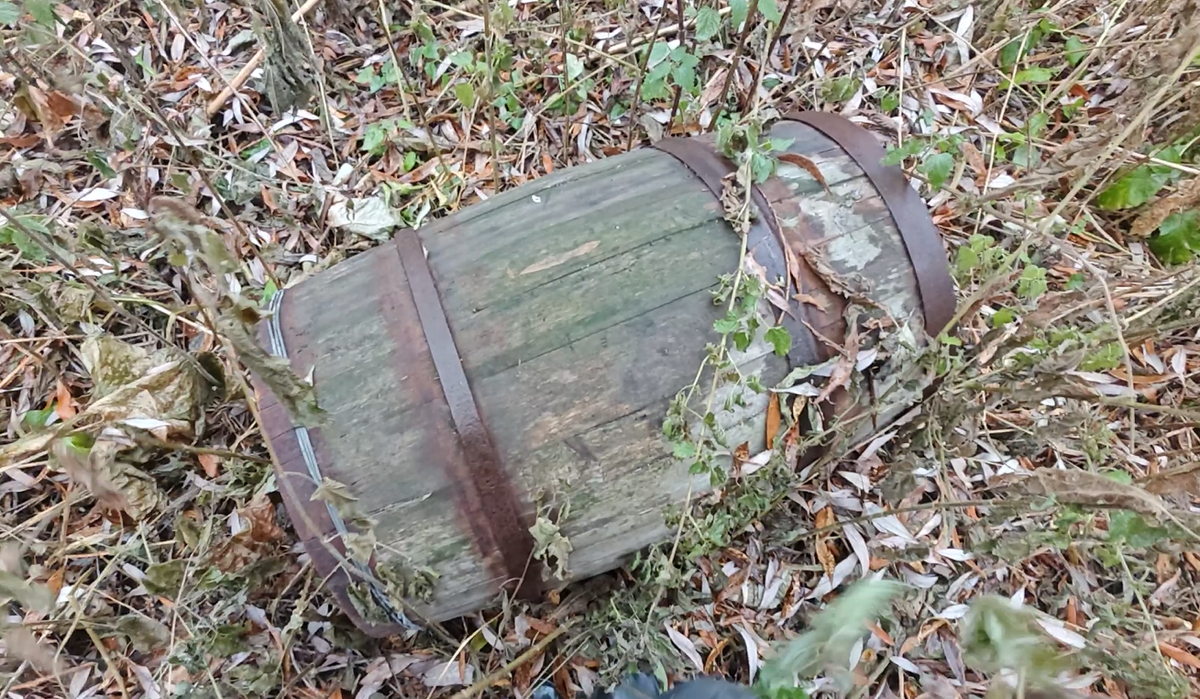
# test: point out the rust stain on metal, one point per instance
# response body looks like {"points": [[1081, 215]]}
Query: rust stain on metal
{"points": [[764, 242], [487, 498], [921, 240]]}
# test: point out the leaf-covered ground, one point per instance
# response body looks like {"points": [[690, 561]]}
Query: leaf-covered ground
{"points": [[1057, 145]]}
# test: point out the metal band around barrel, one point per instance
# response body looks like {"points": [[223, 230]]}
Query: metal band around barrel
{"points": [[491, 507], [278, 348], [908, 210], [764, 239]]}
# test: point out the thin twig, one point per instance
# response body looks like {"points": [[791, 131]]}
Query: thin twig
{"points": [[678, 88], [737, 55], [243, 75], [513, 664], [637, 89], [489, 94]]}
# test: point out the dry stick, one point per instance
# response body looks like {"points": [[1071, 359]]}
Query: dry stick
{"points": [[637, 89], [733, 64], [758, 69], [623, 46], [513, 664], [490, 76], [566, 150], [678, 88], [243, 75]]}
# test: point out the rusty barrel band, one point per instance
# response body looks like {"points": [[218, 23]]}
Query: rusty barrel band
{"points": [[764, 235], [489, 501], [908, 211], [277, 347]]}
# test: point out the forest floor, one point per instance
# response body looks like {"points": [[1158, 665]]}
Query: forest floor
{"points": [[1057, 145]]}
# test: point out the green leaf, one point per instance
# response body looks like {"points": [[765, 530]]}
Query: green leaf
{"points": [[1038, 123], [840, 89], [1011, 53], [1132, 530], [364, 75], [1032, 283], [1117, 475], [1076, 282], [770, 11], [1076, 51], [1178, 238], [1134, 189], [780, 339], [741, 340], [410, 161], [657, 54], [375, 140], [465, 92], [1004, 316], [684, 75], [42, 11], [269, 291], [259, 147], [761, 167], [726, 325], [462, 59], [37, 419], [829, 637], [683, 450], [937, 168], [708, 23], [10, 14], [890, 101], [966, 260], [165, 579], [574, 67], [897, 155], [1107, 357], [1032, 75], [737, 13], [29, 249], [778, 145]]}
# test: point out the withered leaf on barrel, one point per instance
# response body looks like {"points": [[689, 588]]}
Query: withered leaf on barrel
{"points": [[808, 165]]}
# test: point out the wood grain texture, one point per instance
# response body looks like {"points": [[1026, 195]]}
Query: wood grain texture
{"points": [[581, 304]]}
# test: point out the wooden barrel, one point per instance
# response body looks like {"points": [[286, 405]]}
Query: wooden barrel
{"points": [[530, 356]]}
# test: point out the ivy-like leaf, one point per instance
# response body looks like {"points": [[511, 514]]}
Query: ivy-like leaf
{"points": [[1109, 356], [708, 23], [1032, 75], [1075, 51], [1134, 189], [780, 339], [1002, 317], [1132, 530], [770, 11], [937, 168], [574, 66], [899, 154], [465, 92], [42, 11], [1139, 185], [10, 14], [1032, 283], [1178, 238], [738, 11], [726, 325]]}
